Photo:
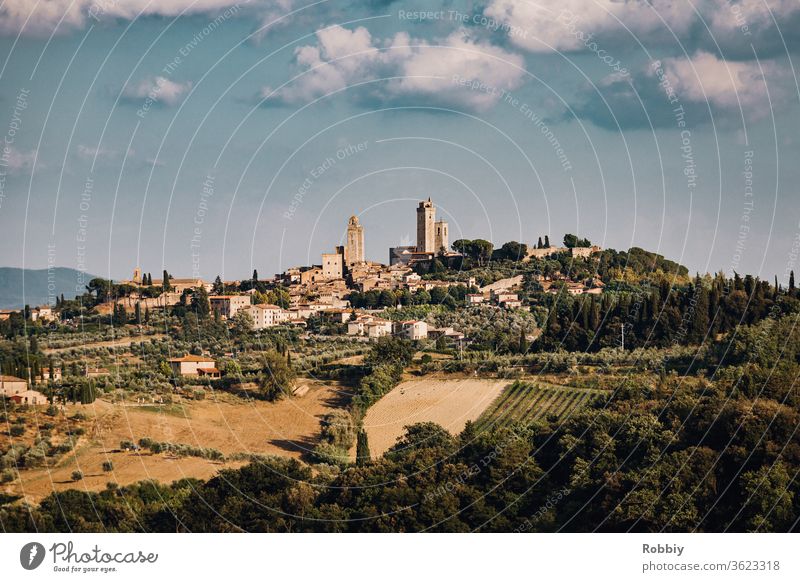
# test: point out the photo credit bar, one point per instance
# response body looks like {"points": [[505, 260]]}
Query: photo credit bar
{"points": [[618, 557]]}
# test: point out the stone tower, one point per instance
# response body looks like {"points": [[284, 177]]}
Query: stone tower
{"points": [[426, 237], [354, 244], [442, 238]]}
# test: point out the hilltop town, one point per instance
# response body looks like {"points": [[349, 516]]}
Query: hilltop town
{"points": [[345, 364]]}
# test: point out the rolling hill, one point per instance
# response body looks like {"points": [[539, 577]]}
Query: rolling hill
{"points": [[39, 286]]}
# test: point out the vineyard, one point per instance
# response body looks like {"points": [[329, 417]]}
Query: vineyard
{"points": [[526, 402]]}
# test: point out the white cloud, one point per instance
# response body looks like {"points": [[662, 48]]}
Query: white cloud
{"points": [[546, 25], [15, 161], [412, 67], [722, 83], [88, 152], [158, 89], [41, 17], [565, 25]]}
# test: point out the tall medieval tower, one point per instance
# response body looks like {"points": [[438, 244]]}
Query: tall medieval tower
{"points": [[442, 236], [354, 244], [426, 236]]}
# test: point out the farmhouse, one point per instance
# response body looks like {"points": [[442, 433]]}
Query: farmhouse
{"points": [[54, 375], [475, 298], [190, 365], [10, 385], [29, 397]]}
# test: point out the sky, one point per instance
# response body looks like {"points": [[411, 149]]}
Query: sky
{"points": [[216, 137]]}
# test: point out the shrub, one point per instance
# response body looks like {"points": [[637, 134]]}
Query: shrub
{"points": [[127, 445], [338, 429], [330, 454], [77, 475], [7, 476], [17, 430], [108, 466]]}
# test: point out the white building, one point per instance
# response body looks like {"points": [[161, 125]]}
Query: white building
{"points": [[266, 315], [413, 330], [10, 385]]}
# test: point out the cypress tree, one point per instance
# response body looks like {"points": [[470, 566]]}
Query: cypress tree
{"points": [[362, 449], [523, 342]]}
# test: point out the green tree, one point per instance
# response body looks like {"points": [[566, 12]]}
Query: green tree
{"points": [[363, 455], [277, 377], [200, 303], [242, 322]]}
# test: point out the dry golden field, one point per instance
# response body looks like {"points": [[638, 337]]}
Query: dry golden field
{"points": [[228, 424], [450, 403]]}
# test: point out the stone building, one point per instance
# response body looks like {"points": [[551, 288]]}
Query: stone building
{"points": [[354, 244], [10, 385], [333, 264], [426, 235], [190, 365], [228, 305], [442, 236]]}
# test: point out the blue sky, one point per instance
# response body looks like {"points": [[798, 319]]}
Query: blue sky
{"points": [[211, 137]]}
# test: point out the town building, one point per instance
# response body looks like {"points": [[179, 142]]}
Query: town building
{"points": [[401, 255], [265, 315], [228, 305], [190, 365], [333, 264], [412, 330], [475, 298], [56, 375], [370, 326], [584, 251], [45, 313]]}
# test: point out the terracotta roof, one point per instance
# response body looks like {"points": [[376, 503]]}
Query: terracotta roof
{"points": [[11, 379], [192, 358]]}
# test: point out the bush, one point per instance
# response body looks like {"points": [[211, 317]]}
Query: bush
{"points": [[338, 429], [330, 454], [77, 475], [7, 476], [17, 430], [127, 445], [108, 466]]}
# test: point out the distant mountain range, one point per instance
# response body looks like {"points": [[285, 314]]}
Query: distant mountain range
{"points": [[40, 285]]}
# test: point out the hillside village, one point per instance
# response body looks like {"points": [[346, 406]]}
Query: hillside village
{"points": [[339, 365]]}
